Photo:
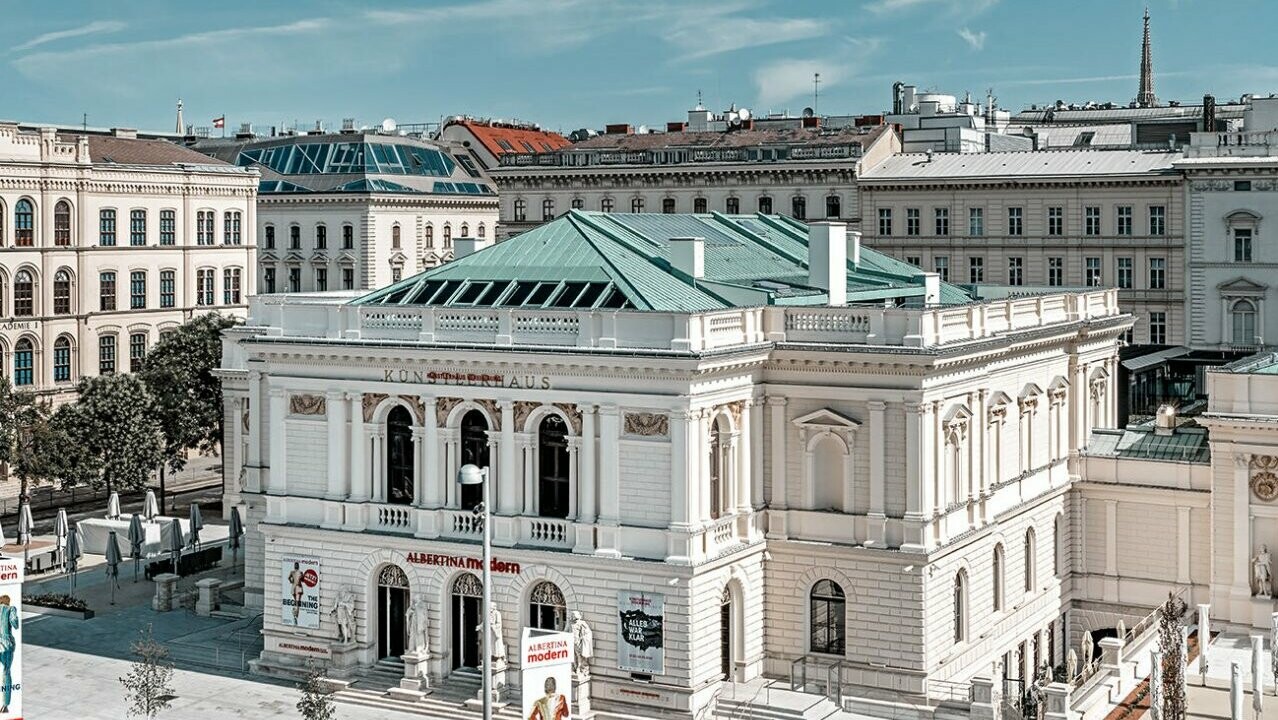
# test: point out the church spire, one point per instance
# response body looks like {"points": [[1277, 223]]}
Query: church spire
{"points": [[1145, 96], [181, 125]]}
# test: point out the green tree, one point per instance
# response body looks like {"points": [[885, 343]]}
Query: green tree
{"points": [[178, 371], [72, 463], [147, 687], [115, 423], [315, 703], [28, 442]]}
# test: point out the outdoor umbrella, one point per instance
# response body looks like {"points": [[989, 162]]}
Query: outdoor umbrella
{"points": [[150, 509], [113, 563], [1257, 675], [136, 538], [3, 540], [73, 556], [197, 523], [235, 532], [113, 506], [60, 529], [25, 526], [176, 545]]}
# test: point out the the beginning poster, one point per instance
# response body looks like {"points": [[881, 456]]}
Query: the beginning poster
{"points": [[10, 638], [641, 645], [546, 673], [300, 592]]}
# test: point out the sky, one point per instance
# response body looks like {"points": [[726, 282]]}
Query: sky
{"points": [[568, 64]]}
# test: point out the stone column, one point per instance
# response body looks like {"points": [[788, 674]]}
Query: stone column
{"points": [[528, 471], [609, 489], [253, 475], [876, 516], [432, 461], [698, 446], [451, 438], [679, 541], [419, 451], [587, 475], [745, 442], [1241, 552], [507, 471], [276, 475], [235, 453], [756, 451], [917, 503], [377, 461], [574, 451], [335, 407], [359, 445], [779, 430]]}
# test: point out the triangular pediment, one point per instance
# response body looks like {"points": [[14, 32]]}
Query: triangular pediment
{"points": [[826, 418], [346, 258], [1242, 284], [398, 258], [319, 258], [294, 257]]}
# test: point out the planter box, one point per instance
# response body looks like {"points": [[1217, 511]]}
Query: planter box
{"points": [[58, 612]]}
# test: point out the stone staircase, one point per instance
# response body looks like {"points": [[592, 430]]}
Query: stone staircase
{"points": [[445, 702], [763, 699]]}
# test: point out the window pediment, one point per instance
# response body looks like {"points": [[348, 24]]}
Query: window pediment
{"points": [[1242, 286], [825, 419]]}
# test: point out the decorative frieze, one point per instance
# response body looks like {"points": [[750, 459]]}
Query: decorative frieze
{"points": [[371, 401], [647, 424], [573, 413], [523, 409], [307, 404], [443, 407], [494, 412], [1264, 477]]}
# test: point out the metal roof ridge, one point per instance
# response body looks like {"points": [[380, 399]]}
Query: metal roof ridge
{"points": [[578, 218]]}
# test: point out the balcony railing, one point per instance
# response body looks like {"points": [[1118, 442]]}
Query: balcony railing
{"points": [[461, 524], [546, 531], [391, 518]]}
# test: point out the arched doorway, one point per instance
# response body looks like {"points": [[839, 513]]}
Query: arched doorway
{"points": [[467, 599], [399, 456], [392, 603], [725, 634], [553, 458], [474, 451]]}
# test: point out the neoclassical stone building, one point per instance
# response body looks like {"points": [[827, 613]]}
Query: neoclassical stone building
{"points": [[781, 450]]}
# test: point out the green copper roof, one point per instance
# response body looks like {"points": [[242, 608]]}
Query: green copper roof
{"points": [[1186, 444], [605, 260]]}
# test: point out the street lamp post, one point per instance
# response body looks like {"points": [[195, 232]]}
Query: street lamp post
{"points": [[471, 475]]}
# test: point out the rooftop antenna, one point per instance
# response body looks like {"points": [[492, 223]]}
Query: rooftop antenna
{"points": [[816, 91], [84, 122], [699, 105]]}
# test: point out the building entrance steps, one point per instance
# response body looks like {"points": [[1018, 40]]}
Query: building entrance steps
{"points": [[371, 688], [770, 699]]}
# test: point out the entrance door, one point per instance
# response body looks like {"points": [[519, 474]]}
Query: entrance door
{"points": [[725, 636], [392, 604], [467, 642]]}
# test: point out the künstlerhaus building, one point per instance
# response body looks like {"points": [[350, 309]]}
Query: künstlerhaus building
{"points": [[784, 451]]}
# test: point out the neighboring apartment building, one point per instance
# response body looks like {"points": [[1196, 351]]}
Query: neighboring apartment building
{"points": [[805, 171], [357, 209], [110, 241], [705, 420], [1048, 218], [491, 140]]}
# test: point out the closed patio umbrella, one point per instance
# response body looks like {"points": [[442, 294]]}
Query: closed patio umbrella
{"points": [[3, 540], [136, 538], [25, 527], [74, 553], [113, 563], [113, 506], [60, 529], [234, 533], [197, 523], [176, 544], [150, 508]]}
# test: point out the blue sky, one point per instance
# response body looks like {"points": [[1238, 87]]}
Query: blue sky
{"points": [[582, 63]]}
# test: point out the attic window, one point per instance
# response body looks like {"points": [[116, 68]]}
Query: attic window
{"points": [[528, 146], [1084, 139], [504, 145]]}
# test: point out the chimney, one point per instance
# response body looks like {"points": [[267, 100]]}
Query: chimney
{"points": [[828, 259], [854, 247], [468, 246], [931, 287], [127, 133], [688, 257], [1209, 113], [1165, 420]]}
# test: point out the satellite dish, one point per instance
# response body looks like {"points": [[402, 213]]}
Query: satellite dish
{"points": [[643, 130], [808, 112], [388, 125], [744, 114]]}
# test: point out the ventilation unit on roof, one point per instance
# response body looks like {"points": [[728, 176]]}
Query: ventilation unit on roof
{"points": [[348, 125]]}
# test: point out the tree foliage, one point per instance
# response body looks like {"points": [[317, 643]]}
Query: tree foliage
{"points": [[115, 425], [29, 442], [178, 372], [315, 703], [1171, 637], [147, 687]]}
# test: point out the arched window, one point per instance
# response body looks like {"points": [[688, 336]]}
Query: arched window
{"points": [[3, 216], [62, 223], [23, 223], [23, 294], [828, 472], [1031, 559], [718, 481], [399, 456], [62, 293], [395, 237], [23, 363], [1243, 316], [474, 451], [998, 576], [430, 236], [465, 230], [827, 616], [553, 458], [481, 233], [546, 607], [960, 606], [62, 359]]}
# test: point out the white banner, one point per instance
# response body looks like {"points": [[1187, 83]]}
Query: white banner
{"points": [[641, 642], [546, 674], [10, 639], [300, 592]]}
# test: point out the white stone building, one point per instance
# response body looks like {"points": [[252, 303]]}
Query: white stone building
{"points": [[807, 452], [108, 242], [358, 210]]}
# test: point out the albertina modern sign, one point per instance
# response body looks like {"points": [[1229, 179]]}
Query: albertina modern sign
{"points": [[546, 673]]}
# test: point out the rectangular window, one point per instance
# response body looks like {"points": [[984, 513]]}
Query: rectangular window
{"points": [[1242, 245], [268, 280], [668, 207], [1158, 328], [942, 221], [636, 205], [348, 279], [1016, 271], [914, 260], [1123, 220], [106, 227], [106, 290], [976, 270], [1157, 220], [1242, 185], [1055, 271], [605, 205], [732, 206], [1092, 220], [321, 279], [348, 237], [912, 221], [204, 227], [1125, 273], [1015, 221], [137, 351], [942, 265], [1055, 221], [397, 274], [885, 222], [1129, 336], [137, 289], [137, 228], [268, 242], [231, 228], [168, 288], [62, 362], [833, 207], [1092, 272], [1157, 273], [579, 204], [765, 205], [231, 286], [975, 222], [294, 280], [699, 205], [294, 237], [321, 237], [204, 287], [168, 227], [106, 354]]}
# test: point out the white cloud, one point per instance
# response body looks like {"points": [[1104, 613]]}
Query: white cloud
{"points": [[93, 28], [974, 39], [706, 36], [786, 80], [956, 7]]}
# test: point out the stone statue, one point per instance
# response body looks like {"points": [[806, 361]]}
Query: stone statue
{"points": [[418, 634], [1261, 576], [583, 644], [498, 635], [344, 613], [1071, 665]]}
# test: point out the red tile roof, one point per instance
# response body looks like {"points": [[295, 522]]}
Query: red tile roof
{"points": [[502, 140]]}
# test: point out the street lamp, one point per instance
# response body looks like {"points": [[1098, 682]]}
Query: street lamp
{"points": [[469, 474]]}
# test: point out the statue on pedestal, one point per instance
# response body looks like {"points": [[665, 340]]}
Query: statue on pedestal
{"points": [[583, 644], [498, 636], [1261, 575], [418, 633], [344, 614]]}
